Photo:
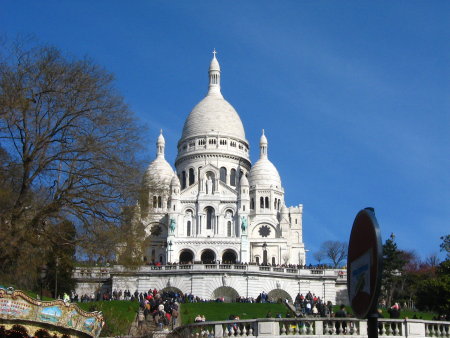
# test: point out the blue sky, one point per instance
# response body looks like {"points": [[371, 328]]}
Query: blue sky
{"points": [[354, 95]]}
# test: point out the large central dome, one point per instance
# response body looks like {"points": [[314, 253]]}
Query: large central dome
{"points": [[213, 115]]}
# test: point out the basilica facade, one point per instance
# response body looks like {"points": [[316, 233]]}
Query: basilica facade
{"points": [[216, 206]]}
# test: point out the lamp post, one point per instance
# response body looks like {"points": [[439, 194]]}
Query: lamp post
{"points": [[42, 275], [56, 277], [170, 251], [264, 253]]}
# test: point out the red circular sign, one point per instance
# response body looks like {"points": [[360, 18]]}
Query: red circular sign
{"points": [[364, 263]]}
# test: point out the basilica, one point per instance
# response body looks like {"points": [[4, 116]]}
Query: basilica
{"points": [[216, 206]]}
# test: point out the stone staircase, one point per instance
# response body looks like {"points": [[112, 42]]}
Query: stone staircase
{"points": [[148, 329]]}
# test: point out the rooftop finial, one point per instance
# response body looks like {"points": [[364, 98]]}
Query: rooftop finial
{"points": [[263, 145], [160, 144], [214, 76], [160, 131]]}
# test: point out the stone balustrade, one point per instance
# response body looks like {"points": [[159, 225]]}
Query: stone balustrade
{"points": [[104, 272], [97, 273], [309, 327]]}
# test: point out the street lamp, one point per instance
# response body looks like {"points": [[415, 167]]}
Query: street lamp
{"points": [[56, 277], [264, 253], [170, 251]]}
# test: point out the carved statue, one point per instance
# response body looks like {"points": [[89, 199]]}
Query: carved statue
{"points": [[173, 224], [209, 186], [244, 223], [225, 280]]}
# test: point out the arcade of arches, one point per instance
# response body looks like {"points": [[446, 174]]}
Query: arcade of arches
{"points": [[208, 256]]}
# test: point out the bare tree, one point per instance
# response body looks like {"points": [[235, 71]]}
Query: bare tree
{"points": [[319, 256], [335, 251], [73, 142], [432, 260]]}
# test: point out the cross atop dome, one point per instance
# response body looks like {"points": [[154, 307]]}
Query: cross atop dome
{"points": [[214, 52]]}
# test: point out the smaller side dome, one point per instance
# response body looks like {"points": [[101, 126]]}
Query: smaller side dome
{"points": [[264, 173], [159, 173], [244, 181], [175, 182]]}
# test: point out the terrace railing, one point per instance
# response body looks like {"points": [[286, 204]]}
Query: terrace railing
{"points": [[312, 327], [104, 272]]}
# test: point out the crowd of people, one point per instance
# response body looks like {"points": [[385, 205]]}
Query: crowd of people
{"points": [[312, 305]]}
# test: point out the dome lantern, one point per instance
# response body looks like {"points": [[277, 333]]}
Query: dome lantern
{"points": [[263, 146], [160, 145], [214, 76]]}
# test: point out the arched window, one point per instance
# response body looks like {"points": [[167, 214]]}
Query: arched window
{"points": [[159, 202], [183, 180], [188, 220], [241, 173], [233, 177], [275, 204], [191, 176], [252, 204], [155, 202], [223, 174], [229, 228], [267, 202], [279, 204], [261, 202], [273, 260], [209, 218], [257, 259]]}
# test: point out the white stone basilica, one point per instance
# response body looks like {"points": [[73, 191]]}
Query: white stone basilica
{"points": [[219, 210], [217, 206]]}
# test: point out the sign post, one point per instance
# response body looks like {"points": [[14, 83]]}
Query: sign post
{"points": [[364, 268]]}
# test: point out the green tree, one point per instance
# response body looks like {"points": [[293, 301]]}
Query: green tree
{"points": [[393, 264], [445, 245], [433, 294]]}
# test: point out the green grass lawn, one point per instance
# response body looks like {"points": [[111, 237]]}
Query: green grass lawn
{"points": [[221, 311], [118, 315]]}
